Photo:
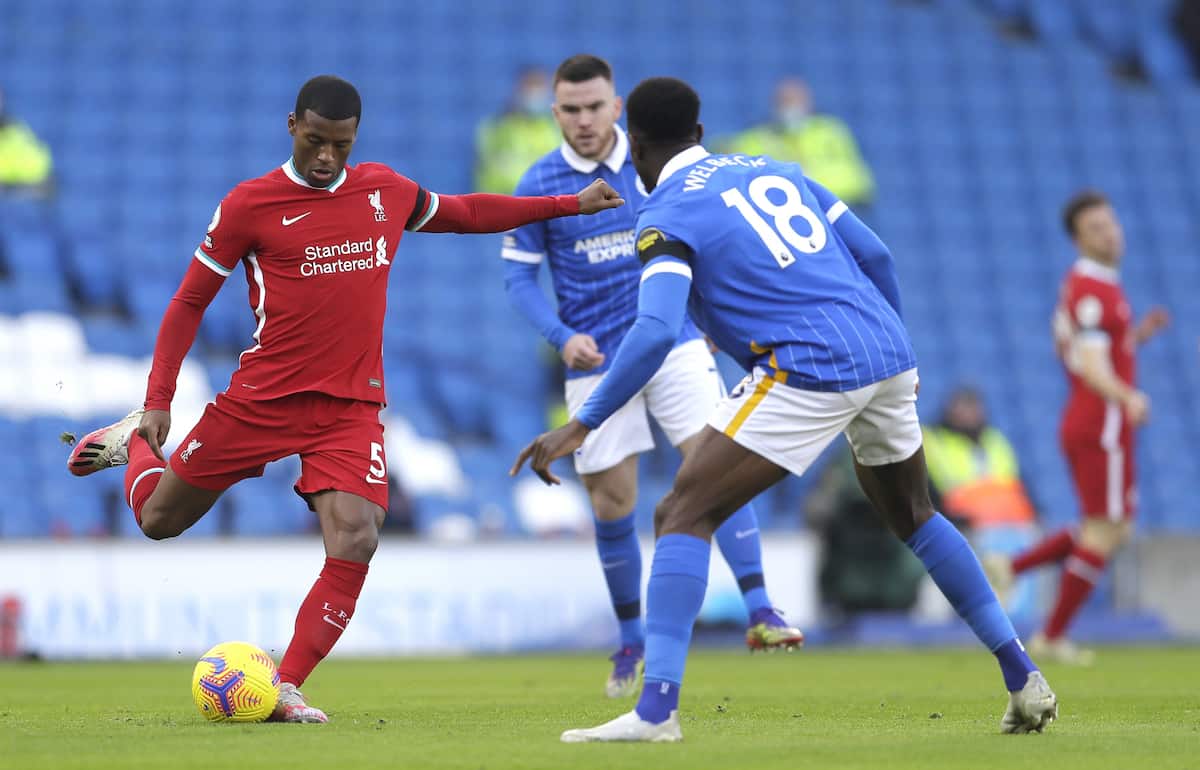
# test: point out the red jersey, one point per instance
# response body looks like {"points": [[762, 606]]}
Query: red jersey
{"points": [[1092, 304], [317, 262]]}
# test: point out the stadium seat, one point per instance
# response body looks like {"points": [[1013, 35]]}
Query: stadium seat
{"points": [[975, 139]]}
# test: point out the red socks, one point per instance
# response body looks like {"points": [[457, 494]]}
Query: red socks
{"points": [[141, 475], [1080, 574], [322, 618], [1053, 549]]}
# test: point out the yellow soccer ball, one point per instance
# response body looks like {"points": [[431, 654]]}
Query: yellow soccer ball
{"points": [[235, 682]]}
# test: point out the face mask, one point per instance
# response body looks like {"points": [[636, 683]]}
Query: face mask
{"points": [[792, 117], [535, 102]]}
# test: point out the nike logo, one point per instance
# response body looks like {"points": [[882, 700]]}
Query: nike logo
{"points": [[742, 534], [327, 619], [373, 480], [614, 564], [293, 220]]}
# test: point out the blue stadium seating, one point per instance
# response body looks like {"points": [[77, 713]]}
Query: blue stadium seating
{"points": [[975, 137]]}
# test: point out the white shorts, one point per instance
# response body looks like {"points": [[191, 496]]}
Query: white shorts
{"points": [[680, 397], [791, 427]]}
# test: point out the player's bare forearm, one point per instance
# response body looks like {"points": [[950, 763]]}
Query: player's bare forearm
{"points": [[549, 447], [1151, 324], [1097, 373], [1105, 383]]}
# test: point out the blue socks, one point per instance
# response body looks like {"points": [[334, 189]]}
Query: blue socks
{"points": [[740, 545], [678, 580], [953, 566], [621, 560]]}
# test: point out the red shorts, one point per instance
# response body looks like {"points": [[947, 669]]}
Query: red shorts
{"points": [[1104, 477], [340, 443]]}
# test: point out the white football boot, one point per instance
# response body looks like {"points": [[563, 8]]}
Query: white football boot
{"points": [[628, 727], [104, 448], [292, 708], [1031, 708]]}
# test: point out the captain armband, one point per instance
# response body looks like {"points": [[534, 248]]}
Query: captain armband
{"points": [[652, 243]]}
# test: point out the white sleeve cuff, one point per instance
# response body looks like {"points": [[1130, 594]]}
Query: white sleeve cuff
{"points": [[667, 266]]}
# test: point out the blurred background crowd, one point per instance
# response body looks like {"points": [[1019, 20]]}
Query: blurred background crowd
{"points": [[957, 128]]}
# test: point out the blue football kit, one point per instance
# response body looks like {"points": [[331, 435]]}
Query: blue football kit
{"points": [[593, 264], [747, 246], [595, 272], [784, 278]]}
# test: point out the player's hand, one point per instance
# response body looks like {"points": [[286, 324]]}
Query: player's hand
{"points": [[154, 427], [1155, 320], [1137, 407], [599, 196], [548, 447], [581, 353]]}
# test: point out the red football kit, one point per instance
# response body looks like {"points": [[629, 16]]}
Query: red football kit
{"points": [[317, 262], [1096, 436]]}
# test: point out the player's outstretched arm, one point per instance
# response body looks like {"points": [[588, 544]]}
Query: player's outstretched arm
{"points": [[1155, 320], [176, 334], [488, 213], [662, 306], [871, 254]]}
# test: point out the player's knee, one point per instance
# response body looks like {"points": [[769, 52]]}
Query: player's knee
{"points": [[610, 499], [359, 544], [157, 524], [675, 515]]}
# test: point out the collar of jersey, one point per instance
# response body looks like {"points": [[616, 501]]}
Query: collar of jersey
{"points": [[289, 169], [614, 161], [1093, 269], [693, 154]]}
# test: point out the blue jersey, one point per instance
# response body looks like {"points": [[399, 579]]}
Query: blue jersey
{"points": [[593, 262], [773, 283]]}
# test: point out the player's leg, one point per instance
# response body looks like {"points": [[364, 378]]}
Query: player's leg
{"points": [[716, 478], [344, 481], [607, 464], [886, 439], [164, 503], [1103, 477], [753, 436], [1054, 548], [681, 397], [613, 492], [740, 543]]}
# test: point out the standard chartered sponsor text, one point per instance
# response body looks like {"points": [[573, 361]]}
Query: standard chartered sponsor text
{"points": [[331, 259]]}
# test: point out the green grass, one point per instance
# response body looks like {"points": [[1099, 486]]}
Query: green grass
{"points": [[1137, 708]]}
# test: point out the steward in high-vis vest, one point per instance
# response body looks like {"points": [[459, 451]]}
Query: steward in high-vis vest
{"points": [[822, 144], [508, 144], [973, 467], [25, 163]]}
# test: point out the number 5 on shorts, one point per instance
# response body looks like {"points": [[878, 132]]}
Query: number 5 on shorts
{"points": [[378, 471]]}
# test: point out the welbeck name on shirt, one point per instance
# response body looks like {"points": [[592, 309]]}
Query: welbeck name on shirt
{"points": [[698, 175], [606, 247]]}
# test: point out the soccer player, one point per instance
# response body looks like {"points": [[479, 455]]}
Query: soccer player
{"points": [[781, 275], [595, 272], [316, 239], [1096, 337]]}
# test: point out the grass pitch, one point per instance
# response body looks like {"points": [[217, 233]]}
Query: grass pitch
{"points": [[817, 708]]}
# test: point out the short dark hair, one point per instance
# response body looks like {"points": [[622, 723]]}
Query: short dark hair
{"points": [[663, 111], [581, 68], [330, 97], [1079, 203]]}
